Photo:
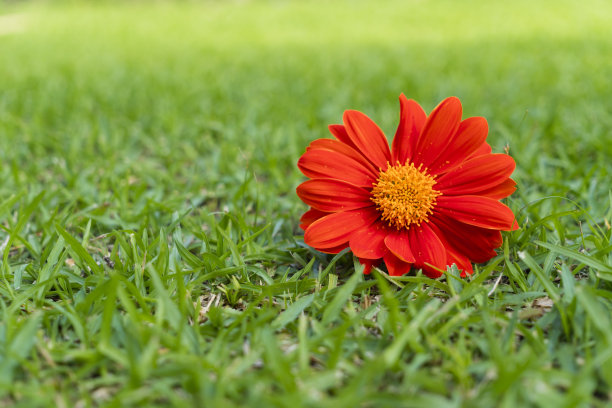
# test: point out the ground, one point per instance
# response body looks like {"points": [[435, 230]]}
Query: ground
{"points": [[151, 254]]}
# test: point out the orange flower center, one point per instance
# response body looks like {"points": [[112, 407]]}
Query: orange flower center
{"points": [[404, 195]]}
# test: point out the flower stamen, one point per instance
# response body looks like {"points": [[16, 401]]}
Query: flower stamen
{"points": [[404, 195]]}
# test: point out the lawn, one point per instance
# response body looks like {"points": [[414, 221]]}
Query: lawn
{"points": [[151, 254]]}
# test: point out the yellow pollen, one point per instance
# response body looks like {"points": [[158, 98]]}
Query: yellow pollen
{"points": [[404, 195]]}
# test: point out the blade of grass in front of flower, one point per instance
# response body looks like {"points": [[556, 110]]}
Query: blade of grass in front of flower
{"points": [[333, 309]]}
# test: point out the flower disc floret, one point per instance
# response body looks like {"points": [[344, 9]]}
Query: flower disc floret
{"points": [[404, 195]]}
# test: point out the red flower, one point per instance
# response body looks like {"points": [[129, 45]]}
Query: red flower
{"points": [[430, 201]]}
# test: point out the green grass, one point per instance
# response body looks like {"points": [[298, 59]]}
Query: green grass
{"points": [[151, 254]]}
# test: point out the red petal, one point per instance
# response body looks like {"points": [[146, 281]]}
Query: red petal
{"points": [[428, 250], [484, 148], [335, 229], [399, 243], [339, 133], [478, 244], [337, 146], [368, 242], [368, 263], [471, 134], [311, 216], [412, 120], [333, 250], [395, 266], [333, 195], [453, 256], [500, 191], [477, 174], [318, 163], [462, 262], [479, 211], [368, 138], [438, 131]]}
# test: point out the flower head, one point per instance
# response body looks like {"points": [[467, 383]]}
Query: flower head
{"points": [[429, 201]]}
